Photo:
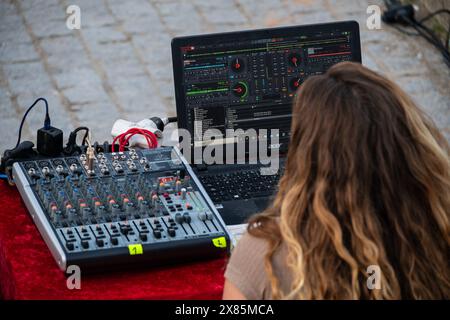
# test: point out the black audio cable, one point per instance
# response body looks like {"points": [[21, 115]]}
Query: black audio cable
{"points": [[47, 122], [72, 146], [86, 134], [404, 14], [431, 15]]}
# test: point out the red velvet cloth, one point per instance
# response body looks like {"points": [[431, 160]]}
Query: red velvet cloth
{"points": [[28, 270]]}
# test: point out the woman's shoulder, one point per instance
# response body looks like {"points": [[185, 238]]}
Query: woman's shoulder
{"points": [[250, 250], [248, 242], [246, 267]]}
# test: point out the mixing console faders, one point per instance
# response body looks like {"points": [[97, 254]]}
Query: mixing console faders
{"points": [[143, 207]]}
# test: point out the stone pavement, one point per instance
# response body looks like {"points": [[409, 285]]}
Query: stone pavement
{"points": [[119, 63]]}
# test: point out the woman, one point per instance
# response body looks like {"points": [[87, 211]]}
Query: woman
{"points": [[362, 210]]}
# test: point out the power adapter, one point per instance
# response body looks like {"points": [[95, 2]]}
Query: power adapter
{"points": [[402, 14], [49, 144], [49, 141]]}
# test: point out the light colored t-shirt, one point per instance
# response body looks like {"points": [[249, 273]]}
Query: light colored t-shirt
{"points": [[247, 272]]}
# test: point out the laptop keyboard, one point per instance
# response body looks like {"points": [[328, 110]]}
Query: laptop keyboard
{"points": [[239, 185]]}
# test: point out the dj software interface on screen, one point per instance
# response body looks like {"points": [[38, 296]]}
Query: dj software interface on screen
{"points": [[236, 85]]}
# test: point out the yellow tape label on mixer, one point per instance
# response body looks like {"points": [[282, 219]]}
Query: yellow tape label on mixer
{"points": [[220, 242], [135, 249]]}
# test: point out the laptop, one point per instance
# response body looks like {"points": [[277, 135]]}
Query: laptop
{"points": [[244, 82]]}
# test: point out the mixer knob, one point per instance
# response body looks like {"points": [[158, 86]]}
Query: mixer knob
{"points": [[139, 197], [74, 169], [179, 218], [171, 232], [86, 212], [143, 236], [202, 216], [125, 229], [85, 244], [157, 234], [81, 204], [53, 210], [115, 209], [100, 242], [129, 207], [46, 172], [57, 215], [177, 186], [143, 205], [71, 213], [59, 169], [154, 200], [82, 157], [99, 209], [183, 193], [209, 215], [35, 176], [186, 217]]}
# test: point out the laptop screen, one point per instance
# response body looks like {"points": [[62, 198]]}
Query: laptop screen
{"points": [[247, 80]]}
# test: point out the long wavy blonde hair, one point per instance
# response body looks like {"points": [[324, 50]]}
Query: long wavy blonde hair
{"points": [[367, 182]]}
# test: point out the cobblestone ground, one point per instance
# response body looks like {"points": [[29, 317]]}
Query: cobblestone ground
{"points": [[119, 63]]}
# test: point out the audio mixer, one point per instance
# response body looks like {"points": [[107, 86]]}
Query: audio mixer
{"points": [[110, 209]]}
